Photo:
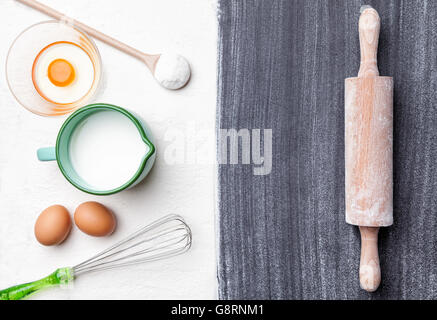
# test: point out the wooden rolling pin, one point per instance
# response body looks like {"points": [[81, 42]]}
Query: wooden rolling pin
{"points": [[369, 150]]}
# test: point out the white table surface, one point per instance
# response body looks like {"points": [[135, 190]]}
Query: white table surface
{"points": [[28, 186]]}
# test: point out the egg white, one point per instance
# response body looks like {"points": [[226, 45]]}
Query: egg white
{"points": [[83, 67]]}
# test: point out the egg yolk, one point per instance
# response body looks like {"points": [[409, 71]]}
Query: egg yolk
{"points": [[61, 73]]}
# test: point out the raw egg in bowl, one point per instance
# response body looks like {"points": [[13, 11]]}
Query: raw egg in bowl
{"points": [[53, 68]]}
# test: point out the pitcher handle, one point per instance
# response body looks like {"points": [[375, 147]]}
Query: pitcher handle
{"points": [[46, 154]]}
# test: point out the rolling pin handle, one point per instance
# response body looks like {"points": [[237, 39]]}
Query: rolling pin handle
{"points": [[369, 28], [370, 271]]}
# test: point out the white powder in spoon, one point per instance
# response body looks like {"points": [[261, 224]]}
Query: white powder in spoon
{"points": [[172, 71]]}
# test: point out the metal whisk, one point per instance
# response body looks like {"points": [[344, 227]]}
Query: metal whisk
{"points": [[164, 238]]}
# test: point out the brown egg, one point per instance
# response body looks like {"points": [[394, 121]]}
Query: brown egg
{"points": [[94, 219], [53, 225]]}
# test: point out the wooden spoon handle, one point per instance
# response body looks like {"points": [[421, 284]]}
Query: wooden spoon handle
{"points": [[370, 271], [369, 28], [150, 60]]}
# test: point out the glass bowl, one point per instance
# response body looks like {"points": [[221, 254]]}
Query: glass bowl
{"points": [[22, 54]]}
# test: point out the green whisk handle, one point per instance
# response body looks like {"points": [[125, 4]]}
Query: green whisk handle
{"points": [[62, 276]]}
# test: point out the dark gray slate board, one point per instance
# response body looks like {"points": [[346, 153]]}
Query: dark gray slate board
{"points": [[282, 65]]}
